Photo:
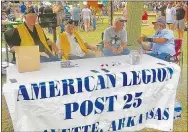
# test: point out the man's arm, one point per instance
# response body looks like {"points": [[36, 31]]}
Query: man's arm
{"points": [[124, 45], [89, 46], [50, 43], [107, 45], [145, 45], [166, 36], [160, 40]]}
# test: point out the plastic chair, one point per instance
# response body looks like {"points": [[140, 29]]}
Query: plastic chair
{"points": [[179, 54]]}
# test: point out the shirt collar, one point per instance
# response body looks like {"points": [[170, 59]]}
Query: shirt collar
{"points": [[28, 28]]}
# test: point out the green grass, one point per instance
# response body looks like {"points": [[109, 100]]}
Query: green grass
{"points": [[93, 38]]}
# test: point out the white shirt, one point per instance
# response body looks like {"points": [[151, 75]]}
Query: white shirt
{"points": [[86, 13], [170, 13], [75, 48]]}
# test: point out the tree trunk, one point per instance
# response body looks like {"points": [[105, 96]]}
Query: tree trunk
{"points": [[134, 22], [110, 13]]}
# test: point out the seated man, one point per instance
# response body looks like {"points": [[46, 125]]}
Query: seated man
{"points": [[71, 45], [161, 43], [115, 39], [30, 34]]}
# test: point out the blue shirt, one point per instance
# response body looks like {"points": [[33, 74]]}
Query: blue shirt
{"points": [[76, 14], [168, 47], [66, 9], [23, 8]]}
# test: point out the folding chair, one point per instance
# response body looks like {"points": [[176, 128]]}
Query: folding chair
{"points": [[100, 45], [179, 54], [8, 36]]}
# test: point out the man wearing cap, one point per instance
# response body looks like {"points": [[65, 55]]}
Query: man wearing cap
{"points": [[162, 41], [115, 39], [71, 44], [30, 34]]}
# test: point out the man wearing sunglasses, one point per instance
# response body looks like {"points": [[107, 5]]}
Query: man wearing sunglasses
{"points": [[29, 34], [115, 39]]}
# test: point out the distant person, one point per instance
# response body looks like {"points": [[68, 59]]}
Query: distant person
{"points": [[22, 8], [67, 16], [9, 8], [86, 16], [66, 8], [94, 20], [170, 15], [125, 11], [186, 15], [76, 12], [11, 16], [163, 9], [4, 20], [58, 9], [48, 10], [41, 8], [180, 23], [36, 8], [186, 11]]}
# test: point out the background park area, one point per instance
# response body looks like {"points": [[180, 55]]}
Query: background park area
{"points": [[94, 37]]}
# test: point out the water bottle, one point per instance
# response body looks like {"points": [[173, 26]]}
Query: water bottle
{"points": [[177, 110], [135, 57]]}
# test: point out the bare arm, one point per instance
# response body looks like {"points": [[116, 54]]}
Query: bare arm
{"points": [[89, 46], [107, 45], [160, 40], [50, 43], [144, 45]]}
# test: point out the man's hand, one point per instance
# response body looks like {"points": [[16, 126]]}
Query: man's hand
{"points": [[13, 49], [93, 48], [140, 39], [59, 53], [115, 51], [120, 49]]}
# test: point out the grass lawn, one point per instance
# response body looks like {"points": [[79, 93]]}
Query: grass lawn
{"points": [[93, 38]]}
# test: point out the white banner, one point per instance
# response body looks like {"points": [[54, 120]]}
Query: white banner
{"points": [[126, 100]]}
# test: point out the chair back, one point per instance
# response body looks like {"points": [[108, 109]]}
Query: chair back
{"points": [[102, 36], [178, 45], [8, 35]]}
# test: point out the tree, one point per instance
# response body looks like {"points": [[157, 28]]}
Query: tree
{"points": [[134, 21], [110, 13]]}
